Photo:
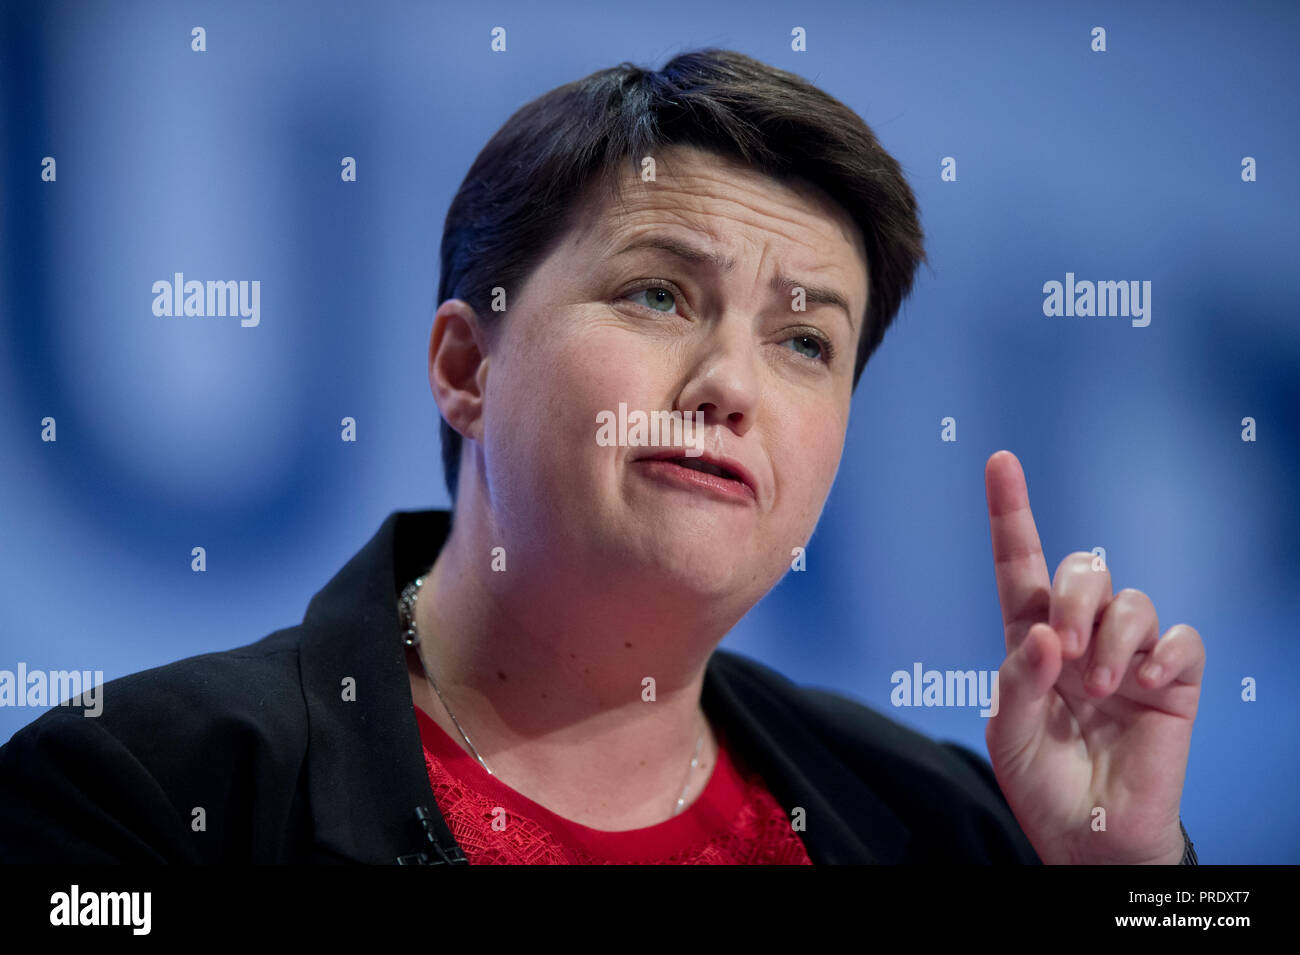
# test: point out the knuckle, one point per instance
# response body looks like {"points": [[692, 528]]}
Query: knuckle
{"points": [[1072, 566], [1134, 600], [1186, 631]]}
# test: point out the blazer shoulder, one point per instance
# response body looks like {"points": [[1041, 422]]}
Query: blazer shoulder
{"points": [[852, 726], [918, 776], [192, 701], [186, 744]]}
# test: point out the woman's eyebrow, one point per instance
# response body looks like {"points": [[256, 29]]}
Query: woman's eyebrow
{"points": [[813, 294]]}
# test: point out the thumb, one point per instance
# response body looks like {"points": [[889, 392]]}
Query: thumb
{"points": [[1024, 681]]}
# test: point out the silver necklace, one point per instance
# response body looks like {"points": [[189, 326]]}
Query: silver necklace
{"points": [[411, 637]]}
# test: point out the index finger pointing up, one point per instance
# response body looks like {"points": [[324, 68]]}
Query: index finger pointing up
{"points": [[1024, 585]]}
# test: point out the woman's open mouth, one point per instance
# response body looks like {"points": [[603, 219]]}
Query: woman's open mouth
{"points": [[695, 473]]}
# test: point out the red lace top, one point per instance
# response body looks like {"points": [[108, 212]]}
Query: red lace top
{"points": [[735, 821]]}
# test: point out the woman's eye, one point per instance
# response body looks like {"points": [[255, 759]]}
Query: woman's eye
{"points": [[656, 297], [819, 351]]}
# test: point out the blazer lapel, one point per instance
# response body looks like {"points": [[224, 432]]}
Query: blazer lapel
{"points": [[846, 823], [365, 768]]}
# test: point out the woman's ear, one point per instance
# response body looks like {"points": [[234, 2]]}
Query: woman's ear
{"points": [[458, 363]]}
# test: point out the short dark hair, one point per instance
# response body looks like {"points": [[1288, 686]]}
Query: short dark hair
{"points": [[519, 196]]}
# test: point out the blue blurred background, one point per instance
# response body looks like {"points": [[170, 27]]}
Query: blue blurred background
{"points": [[1123, 164]]}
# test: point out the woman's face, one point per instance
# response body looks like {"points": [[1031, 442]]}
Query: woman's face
{"points": [[596, 326]]}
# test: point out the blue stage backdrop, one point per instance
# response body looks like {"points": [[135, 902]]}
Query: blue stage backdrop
{"points": [[1151, 144]]}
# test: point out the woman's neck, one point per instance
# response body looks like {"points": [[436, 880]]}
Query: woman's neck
{"points": [[575, 700]]}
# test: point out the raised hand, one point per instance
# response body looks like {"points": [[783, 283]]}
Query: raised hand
{"points": [[1095, 708]]}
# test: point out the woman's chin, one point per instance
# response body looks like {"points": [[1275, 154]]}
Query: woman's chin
{"points": [[704, 570]]}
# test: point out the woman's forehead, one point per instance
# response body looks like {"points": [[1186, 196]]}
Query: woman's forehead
{"points": [[721, 208]]}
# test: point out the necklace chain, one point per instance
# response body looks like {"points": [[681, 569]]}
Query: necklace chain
{"points": [[411, 638]]}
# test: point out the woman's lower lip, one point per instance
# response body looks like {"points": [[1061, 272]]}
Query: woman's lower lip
{"points": [[684, 477]]}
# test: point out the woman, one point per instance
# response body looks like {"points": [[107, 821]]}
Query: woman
{"points": [[721, 242]]}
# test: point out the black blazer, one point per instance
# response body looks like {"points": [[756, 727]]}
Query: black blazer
{"points": [[285, 769]]}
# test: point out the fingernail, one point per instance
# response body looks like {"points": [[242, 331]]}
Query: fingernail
{"points": [[1152, 672], [1100, 677], [1068, 640]]}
